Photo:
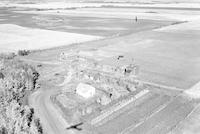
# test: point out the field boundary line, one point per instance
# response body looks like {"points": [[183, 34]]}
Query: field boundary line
{"points": [[132, 127], [105, 114]]}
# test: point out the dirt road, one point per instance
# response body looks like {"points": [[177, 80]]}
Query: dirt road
{"points": [[50, 117]]}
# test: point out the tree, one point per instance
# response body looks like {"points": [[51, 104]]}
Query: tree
{"points": [[23, 52], [16, 118], [1, 75], [36, 127]]}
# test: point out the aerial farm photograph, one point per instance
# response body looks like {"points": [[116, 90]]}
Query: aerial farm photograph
{"points": [[99, 66]]}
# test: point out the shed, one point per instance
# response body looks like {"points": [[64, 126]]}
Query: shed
{"points": [[85, 90]]}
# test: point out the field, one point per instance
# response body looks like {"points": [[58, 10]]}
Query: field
{"points": [[168, 56], [14, 38], [23, 32], [153, 113], [91, 25], [190, 125]]}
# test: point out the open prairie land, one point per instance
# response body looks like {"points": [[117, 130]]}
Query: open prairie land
{"points": [[166, 55]]}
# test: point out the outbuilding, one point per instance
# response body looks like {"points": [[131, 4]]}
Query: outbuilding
{"points": [[85, 90]]}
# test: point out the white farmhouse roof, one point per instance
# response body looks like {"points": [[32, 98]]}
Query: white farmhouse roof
{"points": [[85, 90]]}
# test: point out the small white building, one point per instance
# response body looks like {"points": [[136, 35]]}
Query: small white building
{"points": [[85, 90]]}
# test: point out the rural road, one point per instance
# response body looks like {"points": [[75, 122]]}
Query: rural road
{"points": [[51, 119]]}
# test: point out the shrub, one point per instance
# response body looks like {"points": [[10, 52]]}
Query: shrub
{"points": [[23, 52], [1, 75], [7, 56]]}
